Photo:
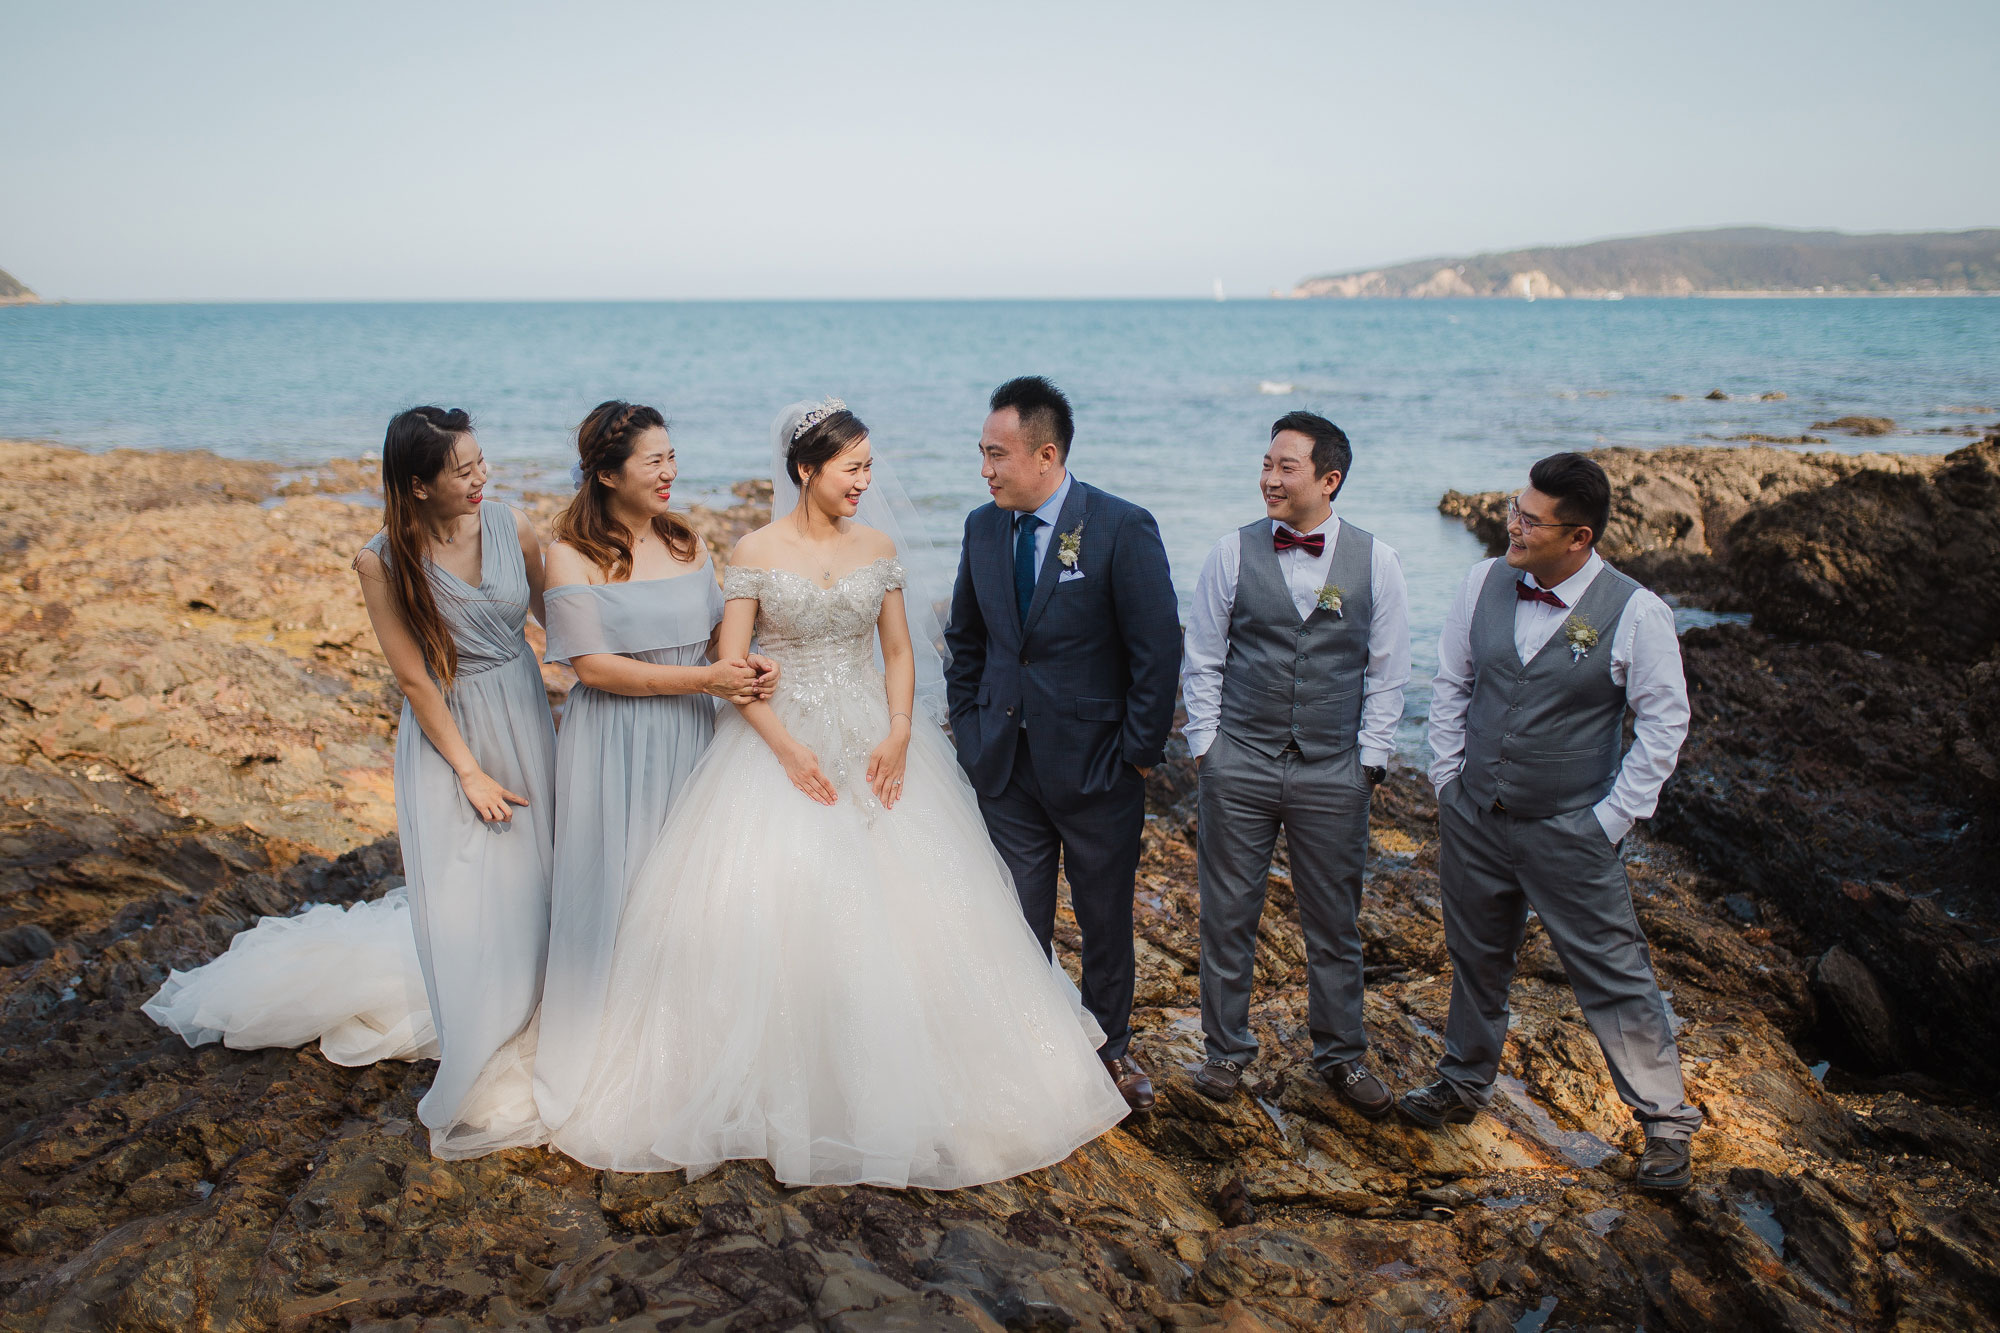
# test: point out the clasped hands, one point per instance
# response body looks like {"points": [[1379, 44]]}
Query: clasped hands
{"points": [[742, 680]]}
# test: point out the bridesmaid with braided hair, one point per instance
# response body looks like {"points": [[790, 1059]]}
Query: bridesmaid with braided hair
{"points": [[451, 967], [633, 609]]}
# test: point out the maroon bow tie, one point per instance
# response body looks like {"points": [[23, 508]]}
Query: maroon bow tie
{"points": [[1284, 539], [1527, 594]]}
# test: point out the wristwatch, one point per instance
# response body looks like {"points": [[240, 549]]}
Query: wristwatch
{"points": [[1376, 774]]}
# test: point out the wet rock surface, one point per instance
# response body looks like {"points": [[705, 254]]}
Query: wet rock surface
{"points": [[144, 1185]]}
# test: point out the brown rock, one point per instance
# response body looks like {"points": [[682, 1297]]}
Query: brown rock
{"points": [[1858, 1003], [147, 1185], [1858, 425], [1672, 509], [1871, 557]]}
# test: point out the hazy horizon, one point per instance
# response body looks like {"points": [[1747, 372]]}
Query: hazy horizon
{"points": [[633, 152]]}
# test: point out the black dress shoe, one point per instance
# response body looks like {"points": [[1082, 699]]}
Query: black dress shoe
{"points": [[1219, 1079], [1664, 1166], [1134, 1084], [1359, 1088], [1435, 1105]]}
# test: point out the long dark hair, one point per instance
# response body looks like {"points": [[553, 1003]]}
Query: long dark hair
{"points": [[415, 450], [604, 444]]}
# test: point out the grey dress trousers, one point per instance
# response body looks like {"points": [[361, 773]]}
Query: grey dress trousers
{"points": [[1286, 755]]}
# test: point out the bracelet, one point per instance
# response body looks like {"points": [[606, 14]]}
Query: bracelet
{"points": [[905, 716]]}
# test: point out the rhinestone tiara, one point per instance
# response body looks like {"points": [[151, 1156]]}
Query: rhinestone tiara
{"points": [[819, 413]]}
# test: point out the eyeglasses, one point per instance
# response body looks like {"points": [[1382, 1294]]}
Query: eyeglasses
{"points": [[1514, 515]]}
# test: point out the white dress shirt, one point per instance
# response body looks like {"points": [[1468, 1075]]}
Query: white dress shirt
{"points": [[1645, 658], [1049, 512], [1205, 647]]}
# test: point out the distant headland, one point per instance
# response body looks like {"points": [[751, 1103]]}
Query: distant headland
{"points": [[1731, 261], [13, 293]]}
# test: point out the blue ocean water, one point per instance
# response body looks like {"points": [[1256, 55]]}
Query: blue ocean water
{"points": [[1174, 399]]}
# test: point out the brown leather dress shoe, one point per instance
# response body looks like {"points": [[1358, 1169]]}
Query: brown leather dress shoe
{"points": [[1134, 1084], [1218, 1079], [1359, 1088]]}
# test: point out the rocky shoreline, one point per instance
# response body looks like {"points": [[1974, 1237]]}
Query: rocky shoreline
{"points": [[196, 732]]}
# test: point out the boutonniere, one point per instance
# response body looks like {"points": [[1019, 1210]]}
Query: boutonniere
{"points": [[1069, 547], [1329, 599], [1580, 635]]}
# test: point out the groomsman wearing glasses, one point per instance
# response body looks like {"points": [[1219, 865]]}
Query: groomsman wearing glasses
{"points": [[1541, 656], [1296, 654]]}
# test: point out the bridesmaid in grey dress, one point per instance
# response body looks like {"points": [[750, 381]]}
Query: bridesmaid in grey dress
{"points": [[449, 582], [633, 605]]}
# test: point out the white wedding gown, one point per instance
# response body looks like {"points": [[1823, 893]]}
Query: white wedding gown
{"points": [[846, 991]]}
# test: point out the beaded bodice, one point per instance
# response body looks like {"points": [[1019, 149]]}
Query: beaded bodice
{"points": [[823, 638]]}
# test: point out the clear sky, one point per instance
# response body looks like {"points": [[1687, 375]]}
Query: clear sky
{"points": [[599, 150]]}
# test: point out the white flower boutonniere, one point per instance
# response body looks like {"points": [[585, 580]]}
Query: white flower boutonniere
{"points": [[1329, 599], [1069, 547], [1580, 635]]}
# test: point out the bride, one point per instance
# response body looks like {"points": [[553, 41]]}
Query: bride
{"points": [[822, 962]]}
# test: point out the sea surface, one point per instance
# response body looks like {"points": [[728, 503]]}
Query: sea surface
{"points": [[1174, 400]]}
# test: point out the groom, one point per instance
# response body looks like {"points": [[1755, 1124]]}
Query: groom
{"points": [[1065, 647]]}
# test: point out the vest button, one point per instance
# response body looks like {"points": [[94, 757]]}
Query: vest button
{"points": [[1297, 727], [1300, 681]]}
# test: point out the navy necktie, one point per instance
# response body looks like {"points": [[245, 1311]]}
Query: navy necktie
{"points": [[1024, 562]]}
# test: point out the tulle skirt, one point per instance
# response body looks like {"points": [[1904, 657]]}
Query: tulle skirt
{"points": [[347, 977], [848, 992]]}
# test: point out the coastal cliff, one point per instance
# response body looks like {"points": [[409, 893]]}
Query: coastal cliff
{"points": [[147, 1186], [1733, 261], [13, 292]]}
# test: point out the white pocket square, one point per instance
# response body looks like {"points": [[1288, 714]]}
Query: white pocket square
{"points": [[1069, 576]]}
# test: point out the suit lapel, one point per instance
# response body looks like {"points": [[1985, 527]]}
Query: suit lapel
{"points": [[1073, 510]]}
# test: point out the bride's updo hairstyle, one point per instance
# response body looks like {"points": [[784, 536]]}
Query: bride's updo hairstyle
{"points": [[820, 443], [604, 444], [415, 450]]}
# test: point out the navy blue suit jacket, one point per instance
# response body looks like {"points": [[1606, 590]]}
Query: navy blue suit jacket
{"points": [[1094, 668]]}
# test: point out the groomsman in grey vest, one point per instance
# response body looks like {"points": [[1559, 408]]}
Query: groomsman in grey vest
{"points": [[1293, 669], [1541, 656]]}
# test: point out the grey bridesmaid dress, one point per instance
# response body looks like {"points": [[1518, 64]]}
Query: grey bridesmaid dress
{"points": [[620, 761], [479, 892], [450, 966]]}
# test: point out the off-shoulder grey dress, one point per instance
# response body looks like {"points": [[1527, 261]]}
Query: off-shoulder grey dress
{"points": [[620, 760]]}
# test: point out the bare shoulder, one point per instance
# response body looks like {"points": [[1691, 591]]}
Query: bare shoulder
{"points": [[566, 565], [875, 543], [756, 548]]}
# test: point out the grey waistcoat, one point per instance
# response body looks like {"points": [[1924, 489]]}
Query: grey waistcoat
{"points": [[1289, 681], [1543, 738]]}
